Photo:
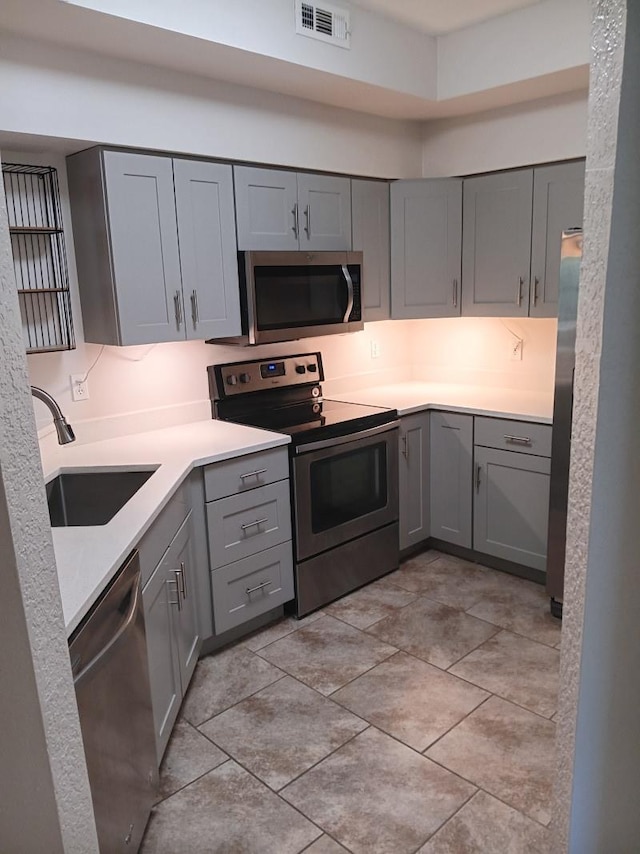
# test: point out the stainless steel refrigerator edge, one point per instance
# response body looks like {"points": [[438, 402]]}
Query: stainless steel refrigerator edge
{"points": [[571, 254]]}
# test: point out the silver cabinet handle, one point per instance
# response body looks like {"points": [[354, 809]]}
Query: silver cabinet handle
{"points": [[177, 305], [518, 440], [253, 524], [455, 293], [249, 590], [194, 308], [295, 227], [307, 216], [519, 295], [183, 574], [252, 473], [536, 282], [405, 448], [478, 476], [349, 281], [177, 599]]}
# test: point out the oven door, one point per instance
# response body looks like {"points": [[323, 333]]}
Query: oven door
{"points": [[344, 488]]}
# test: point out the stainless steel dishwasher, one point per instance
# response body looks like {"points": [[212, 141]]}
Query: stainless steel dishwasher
{"points": [[109, 662]]}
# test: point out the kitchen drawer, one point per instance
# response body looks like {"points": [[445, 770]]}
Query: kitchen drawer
{"points": [[524, 437], [157, 539], [244, 524], [244, 473], [251, 586]]}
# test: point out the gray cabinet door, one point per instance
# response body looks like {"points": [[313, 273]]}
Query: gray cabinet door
{"points": [[325, 212], [266, 208], [208, 256], [144, 247], [451, 472], [414, 479], [426, 235], [180, 565], [558, 200], [511, 506], [496, 245], [370, 229]]}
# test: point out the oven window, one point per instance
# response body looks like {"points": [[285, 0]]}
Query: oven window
{"points": [[347, 486], [289, 297]]}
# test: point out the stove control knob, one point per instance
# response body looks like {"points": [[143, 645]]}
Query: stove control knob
{"points": [[244, 378], [315, 391], [232, 379], [312, 368], [300, 369]]}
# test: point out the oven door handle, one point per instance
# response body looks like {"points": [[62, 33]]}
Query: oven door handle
{"points": [[344, 440], [349, 281]]}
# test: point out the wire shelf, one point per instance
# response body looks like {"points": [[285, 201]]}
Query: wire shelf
{"points": [[39, 256]]}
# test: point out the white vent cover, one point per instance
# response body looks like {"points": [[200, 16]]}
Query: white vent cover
{"points": [[323, 21]]}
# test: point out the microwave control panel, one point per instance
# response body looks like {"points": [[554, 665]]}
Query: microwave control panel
{"points": [[261, 374]]}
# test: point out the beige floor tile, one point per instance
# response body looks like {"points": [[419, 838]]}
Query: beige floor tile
{"points": [[505, 750], [327, 654], [376, 796], [370, 604], [325, 845], [189, 755], [278, 630], [227, 811], [485, 825], [223, 679], [433, 632], [515, 668], [290, 728], [446, 579], [410, 699]]}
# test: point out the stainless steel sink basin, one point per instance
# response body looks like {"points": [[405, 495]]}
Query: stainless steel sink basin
{"points": [[93, 497]]}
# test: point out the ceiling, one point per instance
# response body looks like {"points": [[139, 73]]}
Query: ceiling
{"points": [[441, 16]]}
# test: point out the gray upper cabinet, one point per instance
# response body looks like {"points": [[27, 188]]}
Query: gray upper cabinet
{"points": [[370, 229], [558, 199], [451, 472], [414, 479], [426, 234], [496, 246], [134, 248], [279, 210]]}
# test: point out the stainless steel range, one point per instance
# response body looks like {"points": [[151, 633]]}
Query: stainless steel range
{"points": [[344, 470]]}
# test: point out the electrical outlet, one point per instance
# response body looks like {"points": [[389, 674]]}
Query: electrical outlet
{"points": [[516, 351], [375, 349], [79, 387]]}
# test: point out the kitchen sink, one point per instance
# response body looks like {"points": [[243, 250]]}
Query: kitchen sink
{"points": [[91, 497]]}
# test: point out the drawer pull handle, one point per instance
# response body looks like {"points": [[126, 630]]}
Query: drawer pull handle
{"points": [[249, 590], [519, 440], [179, 574], [252, 474], [478, 476], [519, 291], [253, 524]]}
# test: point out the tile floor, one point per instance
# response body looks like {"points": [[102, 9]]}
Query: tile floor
{"points": [[414, 715]]}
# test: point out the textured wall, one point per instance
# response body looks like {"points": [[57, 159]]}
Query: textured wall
{"points": [[45, 803]]}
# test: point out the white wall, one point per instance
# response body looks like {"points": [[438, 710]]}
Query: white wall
{"points": [[535, 132]]}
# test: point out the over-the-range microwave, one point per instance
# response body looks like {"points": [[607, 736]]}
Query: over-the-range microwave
{"points": [[290, 295]]}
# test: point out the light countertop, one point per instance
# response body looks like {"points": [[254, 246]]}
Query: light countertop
{"points": [[88, 557], [416, 396]]}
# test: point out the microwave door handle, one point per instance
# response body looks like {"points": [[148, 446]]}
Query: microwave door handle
{"points": [[348, 280]]}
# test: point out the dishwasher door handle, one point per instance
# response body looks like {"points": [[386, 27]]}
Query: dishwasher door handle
{"points": [[128, 620]]}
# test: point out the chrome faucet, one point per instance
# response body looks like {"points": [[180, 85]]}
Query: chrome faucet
{"points": [[63, 428]]}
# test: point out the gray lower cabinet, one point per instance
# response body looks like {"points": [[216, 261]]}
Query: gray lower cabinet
{"points": [[451, 472], [155, 247], [172, 630], [280, 210], [370, 230], [511, 506], [426, 240], [414, 493]]}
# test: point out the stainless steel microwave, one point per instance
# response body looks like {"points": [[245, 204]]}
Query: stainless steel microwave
{"points": [[290, 295]]}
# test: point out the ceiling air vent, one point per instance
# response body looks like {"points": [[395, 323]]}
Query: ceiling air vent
{"points": [[324, 22]]}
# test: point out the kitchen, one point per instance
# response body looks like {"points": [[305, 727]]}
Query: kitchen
{"points": [[392, 346]]}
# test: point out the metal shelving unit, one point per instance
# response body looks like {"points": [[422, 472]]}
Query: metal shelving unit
{"points": [[39, 256]]}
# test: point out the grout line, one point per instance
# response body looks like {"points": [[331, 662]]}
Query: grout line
{"points": [[195, 779], [447, 820], [226, 708]]}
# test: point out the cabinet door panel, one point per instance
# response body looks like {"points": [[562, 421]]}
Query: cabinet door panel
{"points": [[426, 234], [325, 212], [496, 247], [511, 508], [266, 205], [370, 227], [414, 479], [180, 564], [451, 471], [558, 199], [208, 258], [144, 247]]}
